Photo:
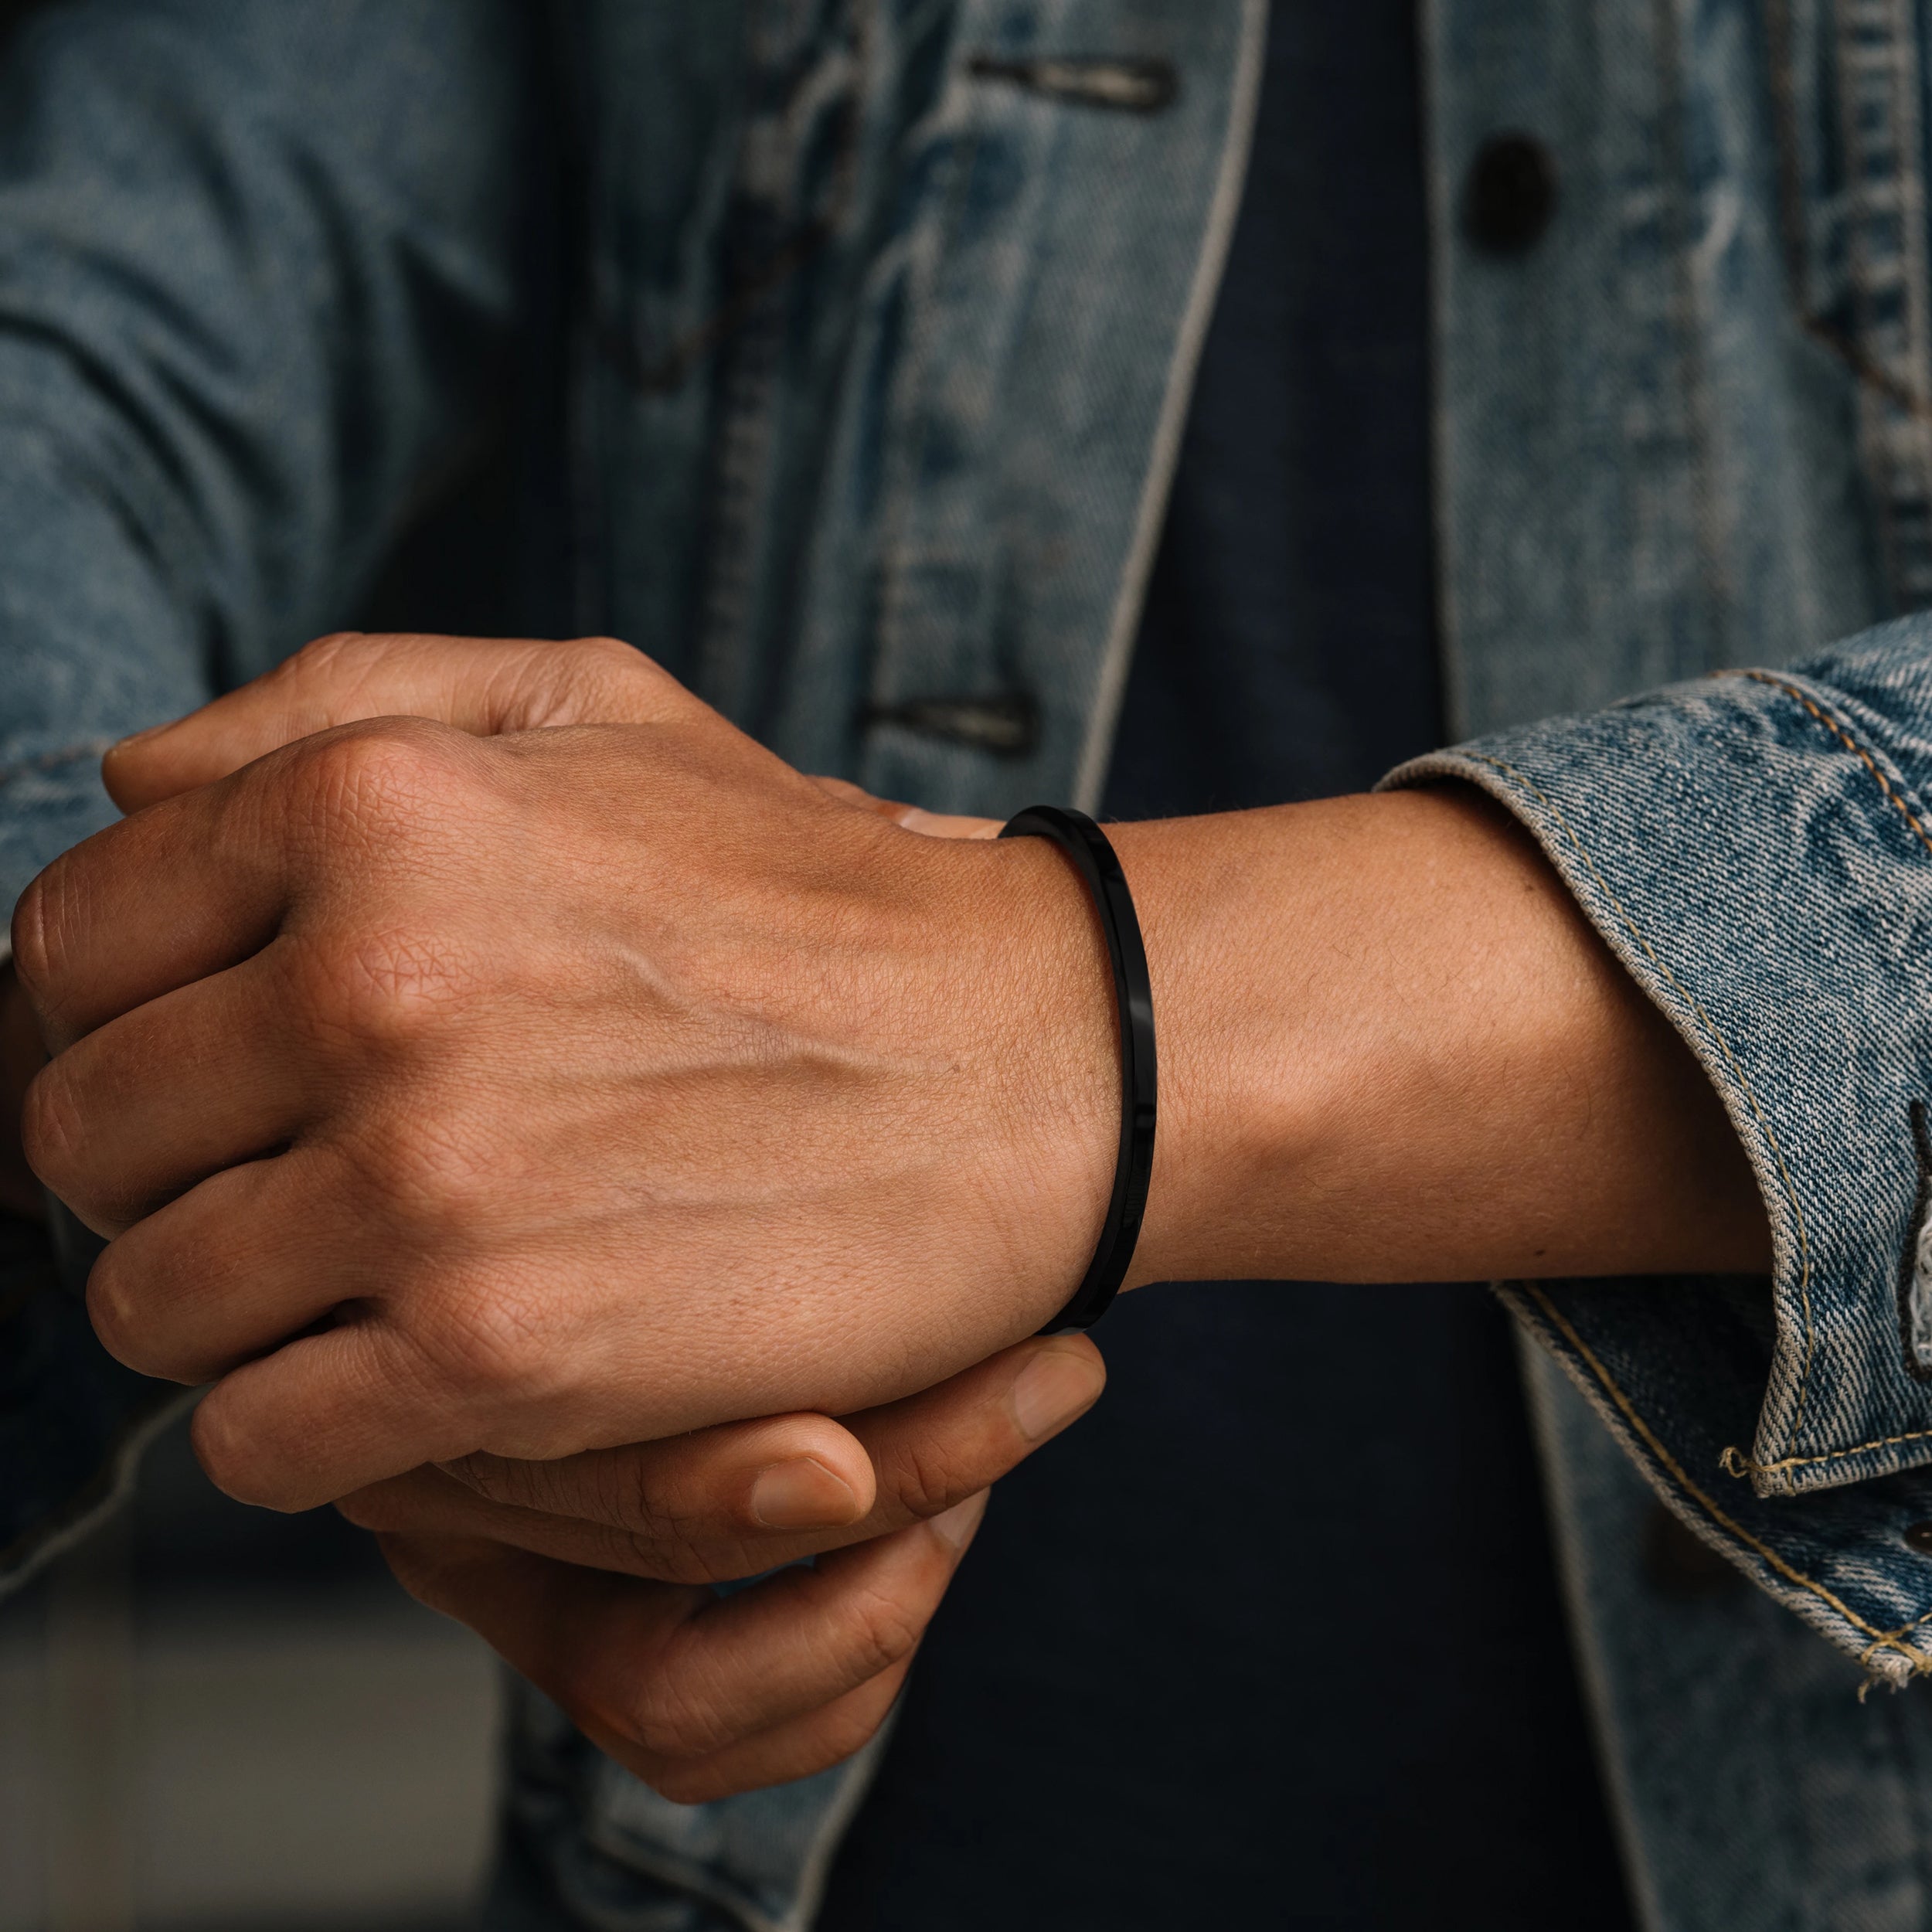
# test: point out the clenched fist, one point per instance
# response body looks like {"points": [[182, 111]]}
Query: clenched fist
{"points": [[531, 1093]]}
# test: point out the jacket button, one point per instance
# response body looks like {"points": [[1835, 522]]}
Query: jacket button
{"points": [[1919, 1535], [1510, 197]]}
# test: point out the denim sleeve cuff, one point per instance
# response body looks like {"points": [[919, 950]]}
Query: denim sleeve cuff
{"points": [[1756, 849], [1752, 849]]}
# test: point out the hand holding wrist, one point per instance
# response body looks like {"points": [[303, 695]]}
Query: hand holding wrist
{"points": [[583, 1084]]}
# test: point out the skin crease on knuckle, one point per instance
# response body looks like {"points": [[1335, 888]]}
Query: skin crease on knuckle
{"points": [[794, 1751], [879, 1630], [846, 1627], [495, 1346], [123, 1320], [374, 786], [384, 1013], [672, 1719], [53, 1137], [36, 937], [591, 679], [231, 1459], [929, 1474], [669, 1713]]}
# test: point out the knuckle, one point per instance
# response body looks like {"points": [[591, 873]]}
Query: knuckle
{"points": [[49, 924], [395, 986], [665, 1558], [367, 779], [323, 657], [53, 1132], [426, 1176], [879, 1632], [601, 657], [588, 681], [57, 1145], [624, 1493], [610, 1488], [930, 1477], [484, 1343], [233, 1460], [672, 1721], [118, 1310], [324, 666], [496, 1478], [838, 1733], [605, 667], [37, 931]]}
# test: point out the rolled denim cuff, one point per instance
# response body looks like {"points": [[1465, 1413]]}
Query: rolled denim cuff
{"points": [[1756, 850]]}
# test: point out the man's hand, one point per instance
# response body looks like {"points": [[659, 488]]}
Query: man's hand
{"points": [[580, 1571], [555, 1089], [587, 1083], [586, 1574]]}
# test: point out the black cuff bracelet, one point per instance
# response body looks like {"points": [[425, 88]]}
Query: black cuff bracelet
{"points": [[1094, 859]]}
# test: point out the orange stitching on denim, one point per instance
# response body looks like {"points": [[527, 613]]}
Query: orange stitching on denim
{"points": [[1920, 1661], [1724, 1047], [1850, 743], [1737, 1463], [1904, 1629]]}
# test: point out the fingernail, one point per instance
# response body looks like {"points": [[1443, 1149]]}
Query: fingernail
{"points": [[1053, 1388], [955, 1528], [802, 1495]]}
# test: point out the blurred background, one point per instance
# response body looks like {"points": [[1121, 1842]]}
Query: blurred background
{"points": [[215, 1719]]}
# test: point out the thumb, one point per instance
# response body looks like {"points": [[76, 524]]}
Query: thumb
{"points": [[484, 685]]}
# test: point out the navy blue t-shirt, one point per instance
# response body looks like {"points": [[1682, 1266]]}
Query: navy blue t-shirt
{"points": [[1272, 1637]]}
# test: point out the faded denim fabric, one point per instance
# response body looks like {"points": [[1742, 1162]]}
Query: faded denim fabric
{"points": [[622, 1855], [881, 325]]}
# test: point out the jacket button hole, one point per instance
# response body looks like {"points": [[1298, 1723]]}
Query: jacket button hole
{"points": [[1127, 86], [1006, 726]]}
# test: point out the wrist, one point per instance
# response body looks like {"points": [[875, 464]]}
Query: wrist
{"points": [[1042, 1024], [1393, 1049], [1233, 1104], [1352, 997]]}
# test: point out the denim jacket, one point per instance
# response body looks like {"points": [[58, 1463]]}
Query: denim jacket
{"points": [[866, 337]]}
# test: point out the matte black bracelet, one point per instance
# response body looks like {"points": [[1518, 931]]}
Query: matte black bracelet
{"points": [[1094, 859]]}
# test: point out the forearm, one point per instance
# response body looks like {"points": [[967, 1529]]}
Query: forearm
{"points": [[1393, 1049]]}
